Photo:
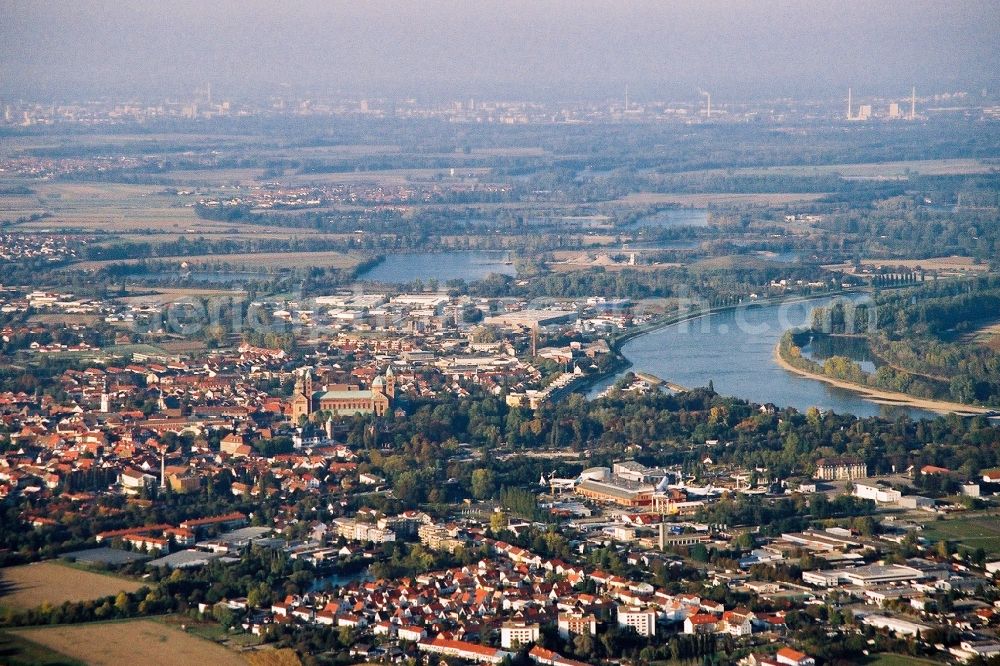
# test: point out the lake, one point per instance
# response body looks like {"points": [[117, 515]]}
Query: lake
{"points": [[441, 266], [821, 347], [330, 581], [734, 350], [672, 217]]}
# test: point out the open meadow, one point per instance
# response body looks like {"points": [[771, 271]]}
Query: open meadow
{"points": [[31, 585], [943, 167], [130, 642], [705, 200]]}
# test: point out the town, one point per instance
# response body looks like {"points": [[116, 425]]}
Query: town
{"points": [[118, 459], [525, 333]]}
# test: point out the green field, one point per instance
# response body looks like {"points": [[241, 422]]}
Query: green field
{"points": [[970, 533], [899, 660]]}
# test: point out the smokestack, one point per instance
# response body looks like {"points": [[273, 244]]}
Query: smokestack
{"points": [[913, 103], [163, 467], [849, 103]]}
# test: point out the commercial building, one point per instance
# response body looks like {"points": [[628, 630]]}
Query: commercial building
{"points": [[877, 493], [617, 490], [895, 625], [871, 575]]}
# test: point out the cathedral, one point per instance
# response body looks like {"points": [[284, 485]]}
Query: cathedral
{"points": [[343, 399]]}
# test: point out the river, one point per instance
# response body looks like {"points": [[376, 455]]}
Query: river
{"points": [[734, 350]]}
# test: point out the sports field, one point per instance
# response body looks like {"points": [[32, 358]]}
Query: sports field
{"points": [[970, 533]]}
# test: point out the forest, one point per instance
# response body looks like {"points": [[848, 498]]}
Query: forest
{"points": [[926, 339]]}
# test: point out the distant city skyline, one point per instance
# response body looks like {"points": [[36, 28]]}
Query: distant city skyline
{"points": [[543, 50]]}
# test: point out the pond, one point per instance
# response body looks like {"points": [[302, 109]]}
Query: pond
{"points": [[470, 265]]}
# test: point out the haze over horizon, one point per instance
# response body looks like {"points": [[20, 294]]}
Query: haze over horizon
{"points": [[545, 50]]}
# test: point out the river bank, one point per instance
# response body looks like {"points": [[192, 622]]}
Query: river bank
{"points": [[883, 397], [616, 344]]}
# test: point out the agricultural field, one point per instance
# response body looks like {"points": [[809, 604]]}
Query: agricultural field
{"points": [[64, 318], [31, 585], [970, 533], [944, 167], [987, 335], [954, 265], [130, 642], [705, 200], [383, 177], [101, 207], [17, 651], [164, 295]]}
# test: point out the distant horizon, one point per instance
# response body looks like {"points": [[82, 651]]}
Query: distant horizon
{"points": [[554, 50], [426, 96]]}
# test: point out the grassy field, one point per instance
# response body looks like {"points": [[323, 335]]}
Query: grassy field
{"points": [[947, 265], [945, 167], [170, 294], [130, 642], [950, 264], [704, 200], [899, 660], [16, 651], [102, 206], [31, 585], [988, 335], [64, 318], [971, 533]]}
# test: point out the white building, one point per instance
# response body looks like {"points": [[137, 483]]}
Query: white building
{"points": [[518, 633], [576, 623], [895, 625], [878, 494], [642, 620]]}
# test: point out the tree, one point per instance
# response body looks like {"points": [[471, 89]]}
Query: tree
{"points": [[583, 644], [223, 614], [498, 522], [483, 483]]}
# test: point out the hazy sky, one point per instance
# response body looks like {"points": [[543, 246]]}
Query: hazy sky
{"points": [[556, 49]]}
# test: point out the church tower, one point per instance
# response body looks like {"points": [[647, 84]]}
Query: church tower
{"points": [[302, 398], [390, 383], [307, 385]]}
